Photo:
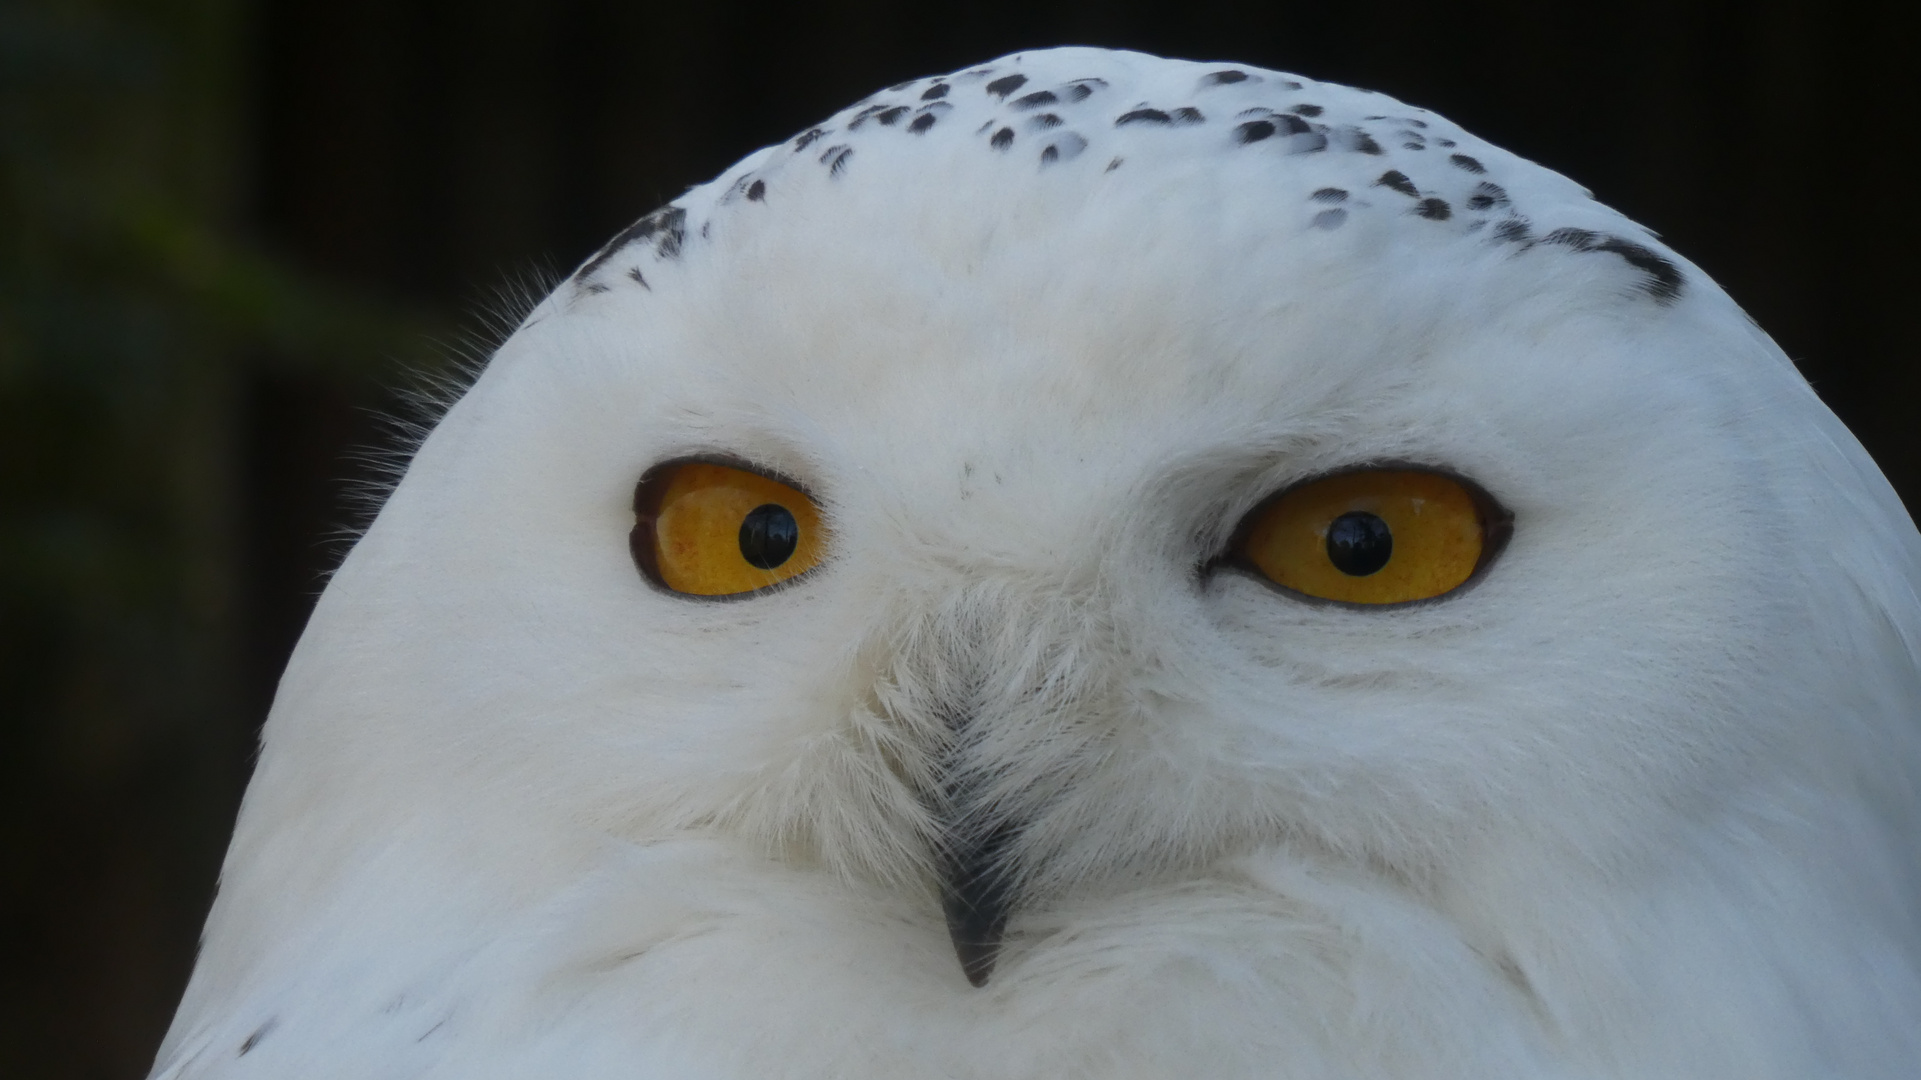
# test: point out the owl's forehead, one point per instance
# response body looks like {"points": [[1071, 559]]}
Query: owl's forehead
{"points": [[1056, 247], [1165, 163]]}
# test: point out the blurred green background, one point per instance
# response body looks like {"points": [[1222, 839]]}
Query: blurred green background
{"points": [[233, 231]]}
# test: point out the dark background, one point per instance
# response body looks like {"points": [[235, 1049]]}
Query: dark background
{"points": [[229, 230]]}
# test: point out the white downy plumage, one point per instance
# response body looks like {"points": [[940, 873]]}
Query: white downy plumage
{"points": [[1643, 802]]}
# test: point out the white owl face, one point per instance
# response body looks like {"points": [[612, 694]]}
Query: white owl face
{"points": [[1033, 398], [1031, 347]]}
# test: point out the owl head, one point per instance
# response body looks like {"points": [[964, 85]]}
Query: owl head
{"points": [[1079, 478]]}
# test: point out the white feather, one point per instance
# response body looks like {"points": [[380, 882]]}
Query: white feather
{"points": [[1644, 802]]}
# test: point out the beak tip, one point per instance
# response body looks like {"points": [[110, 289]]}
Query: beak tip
{"points": [[976, 935], [977, 961]]}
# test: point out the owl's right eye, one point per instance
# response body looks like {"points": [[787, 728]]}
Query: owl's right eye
{"points": [[708, 529]]}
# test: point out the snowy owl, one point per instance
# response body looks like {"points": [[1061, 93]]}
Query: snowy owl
{"points": [[1102, 566]]}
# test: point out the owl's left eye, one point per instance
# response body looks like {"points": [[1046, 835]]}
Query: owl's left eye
{"points": [[1373, 536], [707, 529]]}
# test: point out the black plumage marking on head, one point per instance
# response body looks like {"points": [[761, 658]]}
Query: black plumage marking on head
{"points": [[1002, 139], [1329, 195], [1306, 110], [1065, 147], [639, 278], [1188, 114], [1254, 131], [1445, 142], [1143, 116], [665, 228], [1665, 280], [1396, 180], [1046, 120], [1330, 219], [1220, 78], [806, 138], [1006, 85], [1434, 209], [835, 158], [1082, 89], [258, 1034], [1487, 196], [934, 92], [885, 114], [1364, 143], [1291, 124], [1112, 165], [921, 123], [1462, 161], [1514, 230], [757, 191], [1035, 100]]}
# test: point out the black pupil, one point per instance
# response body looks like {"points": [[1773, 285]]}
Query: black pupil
{"points": [[768, 536], [1358, 543]]}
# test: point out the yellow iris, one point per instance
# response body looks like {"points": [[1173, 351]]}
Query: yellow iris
{"points": [[714, 530], [1374, 536]]}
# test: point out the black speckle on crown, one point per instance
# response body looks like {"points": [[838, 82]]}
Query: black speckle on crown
{"points": [[1396, 180], [1329, 195], [1434, 209], [1044, 121], [1082, 89], [835, 158], [665, 228], [884, 114], [1330, 219], [922, 122], [1006, 85], [934, 92], [1364, 143], [1514, 230], [1462, 161], [259, 1033], [1254, 131], [806, 138], [898, 87], [1306, 110], [1292, 125], [1002, 139], [1065, 147], [1487, 196], [1223, 78], [757, 191], [1664, 279], [1142, 116], [1188, 114], [1035, 100], [640, 279]]}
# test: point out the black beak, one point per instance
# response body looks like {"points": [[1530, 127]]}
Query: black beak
{"points": [[976, 895]]}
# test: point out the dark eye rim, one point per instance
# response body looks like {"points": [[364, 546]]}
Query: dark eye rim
{"points": [[651, 488], [1497, 528]]}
